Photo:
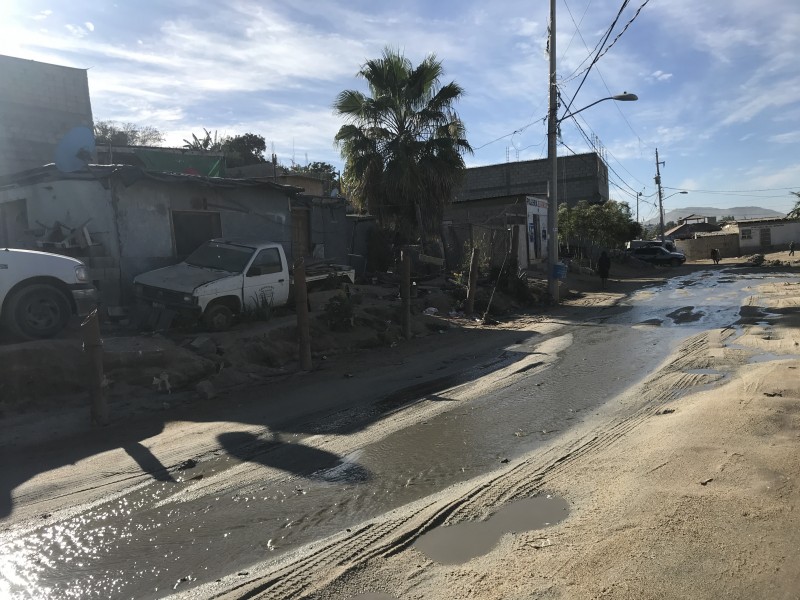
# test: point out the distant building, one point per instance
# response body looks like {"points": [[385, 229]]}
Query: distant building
{"points": [[39, 104], [515, 193], [690, 225], [765, 234]]}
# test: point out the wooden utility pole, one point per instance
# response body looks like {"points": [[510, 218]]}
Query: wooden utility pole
{"points": [[301, 307], [660, 196], [93, 348], [405, 292], [473, 281]]}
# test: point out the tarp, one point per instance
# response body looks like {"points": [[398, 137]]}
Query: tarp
{"points": [[169, 162]]}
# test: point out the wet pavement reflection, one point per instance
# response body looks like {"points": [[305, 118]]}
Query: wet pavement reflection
{"points": [[160, 539]]}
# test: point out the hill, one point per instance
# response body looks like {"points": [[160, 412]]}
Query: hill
{"points": [[738, 212]]}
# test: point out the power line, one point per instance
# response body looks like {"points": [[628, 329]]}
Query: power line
{"points": [[597, 56], [735, 191]]}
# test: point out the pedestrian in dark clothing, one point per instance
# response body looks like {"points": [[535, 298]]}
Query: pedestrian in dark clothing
{"points": [[715, 256], [791, 248], [603, 267]]}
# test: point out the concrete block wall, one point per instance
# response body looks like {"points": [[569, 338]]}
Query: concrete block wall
{"points": [[39, 103], [700, 248], [581, 177]]}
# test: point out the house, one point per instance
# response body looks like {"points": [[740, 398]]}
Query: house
{"points": [[39, 104], [765, 234], [515, 193], [122, 220], [690, 225]]}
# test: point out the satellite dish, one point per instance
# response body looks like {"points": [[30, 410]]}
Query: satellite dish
{"points": [[75, 150]]}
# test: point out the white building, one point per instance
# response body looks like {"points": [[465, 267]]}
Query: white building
{"points": [[770, 233]]}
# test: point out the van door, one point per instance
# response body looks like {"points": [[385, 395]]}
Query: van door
{"points": [[266, 280]]}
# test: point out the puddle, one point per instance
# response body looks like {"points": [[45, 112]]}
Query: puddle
{"points": [[705, 372], [769, 357], [462, 542]]}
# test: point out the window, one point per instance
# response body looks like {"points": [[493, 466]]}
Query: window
{"points": [[747, 234], [268, 261]]}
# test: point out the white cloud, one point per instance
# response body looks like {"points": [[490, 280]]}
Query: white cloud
{"points": [[660, 76], [40, 16], [790, 137], [89, 25], [77, 30]]}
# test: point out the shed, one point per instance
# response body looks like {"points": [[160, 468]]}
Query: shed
{"points": [[122, 220]]}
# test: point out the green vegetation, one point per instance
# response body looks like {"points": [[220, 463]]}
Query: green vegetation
{"points": [[403, 144]]}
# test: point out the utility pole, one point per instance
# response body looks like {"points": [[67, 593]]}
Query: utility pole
{"points": [[660, 196], [638, 195], [552, 157]]}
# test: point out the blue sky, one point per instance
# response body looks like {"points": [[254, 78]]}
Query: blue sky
{"points": [[718, 82]]}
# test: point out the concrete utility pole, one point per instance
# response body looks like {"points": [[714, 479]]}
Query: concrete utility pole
{"points": [[552, 156], [93, 348], [660, 196]]}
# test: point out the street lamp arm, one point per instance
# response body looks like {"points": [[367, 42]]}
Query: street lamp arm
{"points": [[626, 97]]}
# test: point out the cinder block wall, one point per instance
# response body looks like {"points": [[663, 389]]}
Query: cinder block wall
{"points": [[39, 103], [700, 248]]}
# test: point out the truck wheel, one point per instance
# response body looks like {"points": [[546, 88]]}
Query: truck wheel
{"points": [[218, 317], [37, 311]]}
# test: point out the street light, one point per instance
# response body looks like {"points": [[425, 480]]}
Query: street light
{"points": [[552, 156], [661, 208]]}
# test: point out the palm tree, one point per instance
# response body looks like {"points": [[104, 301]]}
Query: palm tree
{"points": [[403, 144], [795, 212]]}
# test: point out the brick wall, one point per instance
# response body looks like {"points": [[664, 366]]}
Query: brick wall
{"points": [[39, 103]]}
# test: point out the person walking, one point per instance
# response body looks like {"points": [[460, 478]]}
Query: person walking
{"points": [[791, 248], [603, 267]]}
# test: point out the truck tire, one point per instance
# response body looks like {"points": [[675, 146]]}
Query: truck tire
{"points": [[218, 317], [37, 311]]}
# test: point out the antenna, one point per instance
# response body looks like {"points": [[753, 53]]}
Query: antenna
{"points": [[75, 150]]}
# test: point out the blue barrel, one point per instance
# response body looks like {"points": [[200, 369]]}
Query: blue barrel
{"points": [[559, 271]]}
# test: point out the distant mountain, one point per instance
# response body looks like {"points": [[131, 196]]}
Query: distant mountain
{"points": [[738, 212]]}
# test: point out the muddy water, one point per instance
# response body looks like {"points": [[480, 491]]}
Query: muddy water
{"points": [[462, 542], [148, 545]]}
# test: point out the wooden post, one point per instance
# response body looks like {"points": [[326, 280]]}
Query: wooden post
{"points": [[405, 292], [473, 280], [301, 307], [93, 348]]}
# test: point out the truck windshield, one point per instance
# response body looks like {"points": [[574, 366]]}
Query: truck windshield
{"points": [[222, 257]]}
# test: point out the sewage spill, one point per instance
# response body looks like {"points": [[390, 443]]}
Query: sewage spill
{"points": [[462, 542]]}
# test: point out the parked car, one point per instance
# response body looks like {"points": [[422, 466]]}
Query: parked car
{"points": [[39, 292], [224, 277], [658, 255], [633, 244]]}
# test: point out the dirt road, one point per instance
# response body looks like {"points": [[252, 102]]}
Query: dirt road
{"points": [[646, 420], [683, 486]]}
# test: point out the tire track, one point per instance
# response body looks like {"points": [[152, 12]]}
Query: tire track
{"points": [[306, 572]]}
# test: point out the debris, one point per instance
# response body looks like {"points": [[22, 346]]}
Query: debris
{"points": [[187, 464], [773, 394], [162, 382], [348, 375], [707, 481], [431, 310], [504, 461], [666, 411], [206, 389]]}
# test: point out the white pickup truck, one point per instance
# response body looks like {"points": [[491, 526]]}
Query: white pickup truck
{"points": [[223, 277], [39, 292]]}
